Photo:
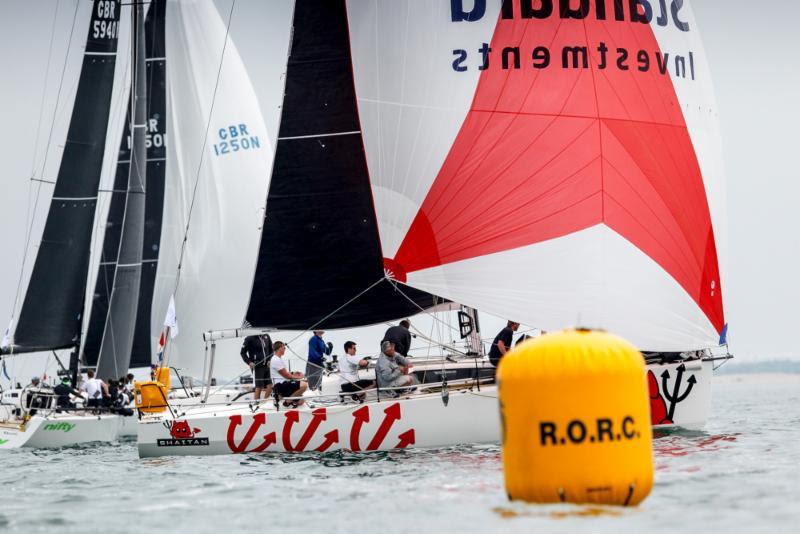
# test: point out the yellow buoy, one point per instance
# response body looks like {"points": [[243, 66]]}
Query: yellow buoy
{"points": [[576, 420]]}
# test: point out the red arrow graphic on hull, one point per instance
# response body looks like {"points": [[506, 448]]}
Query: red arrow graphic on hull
{"points": [[361, 416], [292, 417], [258, 420], [406, 438], [330, 438], [392, 415], [269, 439]]}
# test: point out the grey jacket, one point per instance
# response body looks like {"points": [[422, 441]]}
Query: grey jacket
{"points": [[387, 370]]}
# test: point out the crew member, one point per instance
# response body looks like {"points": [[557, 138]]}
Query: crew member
{"points": [[400, 336], [63, 391], [348, 372], [286, 384], [256, 353], [317, 349], [502, 343], [95, 390], [129, 384], [392, 368]]}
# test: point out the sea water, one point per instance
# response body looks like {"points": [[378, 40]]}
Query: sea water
{"points": [[741, 474]]}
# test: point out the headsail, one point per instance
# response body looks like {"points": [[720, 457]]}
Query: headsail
{"points": [[219, 155], [557, 166], [155, 138], [50, 317], [320, 246]]}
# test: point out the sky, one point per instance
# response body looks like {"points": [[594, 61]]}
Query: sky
{"points": [[756, 74]]}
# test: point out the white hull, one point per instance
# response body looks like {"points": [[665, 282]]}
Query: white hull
{"points": [[128, 427], [58, 430], [414, 420]]}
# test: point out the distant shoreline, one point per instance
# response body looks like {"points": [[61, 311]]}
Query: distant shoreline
{"points": [[774, 367], [758, 378]]}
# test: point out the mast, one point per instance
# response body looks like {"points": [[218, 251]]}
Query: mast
{"points": [[118, 334], [51, 312]]}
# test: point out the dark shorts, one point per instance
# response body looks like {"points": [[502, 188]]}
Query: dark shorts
{"points": [[94, 403], [285, 389], [261, 374], [356, 386]]}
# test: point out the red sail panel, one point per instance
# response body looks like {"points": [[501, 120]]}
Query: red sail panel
{"points": [[547, 152]]}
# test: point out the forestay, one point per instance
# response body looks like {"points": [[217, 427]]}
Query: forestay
{"points": [[556, 163]]}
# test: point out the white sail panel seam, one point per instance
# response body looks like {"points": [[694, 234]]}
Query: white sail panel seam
{"points": [[404, 105], [318, 135], [146, 159], [100, 53]]}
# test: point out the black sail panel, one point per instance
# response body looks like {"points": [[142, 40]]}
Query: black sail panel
{"points": [[320, 246], [51, 312]]}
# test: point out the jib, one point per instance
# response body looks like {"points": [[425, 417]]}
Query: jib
{"points": [[638, 10], [577, 432]]}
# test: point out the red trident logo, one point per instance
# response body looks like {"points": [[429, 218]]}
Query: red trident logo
{"points": [[317, 417], [258, 420], [391, 414]]}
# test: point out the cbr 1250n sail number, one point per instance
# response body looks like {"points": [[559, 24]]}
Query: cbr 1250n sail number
{"points": [[234, 138]]}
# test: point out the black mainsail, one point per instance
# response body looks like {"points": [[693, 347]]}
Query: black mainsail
{"points": [[51, 312], [141, 351], [320, 246]]}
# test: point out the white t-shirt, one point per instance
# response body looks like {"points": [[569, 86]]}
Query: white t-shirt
{"points": [[275, 366], [348, 368], [93, 388]]}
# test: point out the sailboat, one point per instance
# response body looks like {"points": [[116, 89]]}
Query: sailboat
{"points": [[558, 167], [52, 312]]}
